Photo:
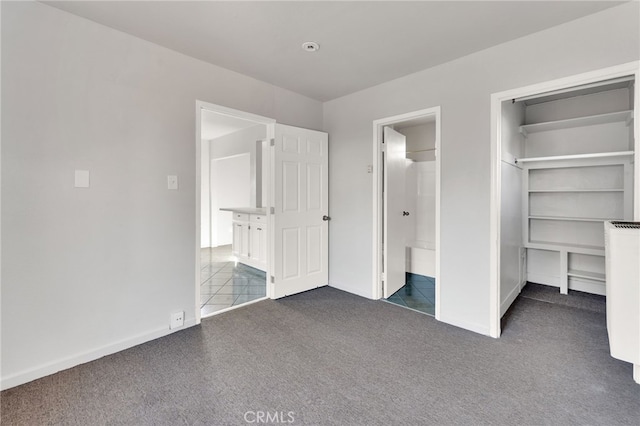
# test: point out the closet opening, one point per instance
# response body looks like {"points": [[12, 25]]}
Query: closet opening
{"points": [[565, 164], [407, 225]]}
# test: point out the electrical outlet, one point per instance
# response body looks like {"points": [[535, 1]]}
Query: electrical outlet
{"points": [[176, 320]]}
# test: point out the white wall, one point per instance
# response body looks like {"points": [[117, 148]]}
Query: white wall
{"points": [[426, 203], [462, 88], [420, 138], [86, 272], [420, 191], [241, 142], [231, 187]]}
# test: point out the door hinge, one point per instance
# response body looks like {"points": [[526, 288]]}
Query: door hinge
{"points": [[273, 210], [273, 279], [383, 276], [272, 142]]}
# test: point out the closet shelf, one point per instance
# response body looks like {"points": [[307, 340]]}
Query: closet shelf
{"points": [[577, 190], [576, 156], [570, 248], [595, 276], [613, 117], [572, 219]]}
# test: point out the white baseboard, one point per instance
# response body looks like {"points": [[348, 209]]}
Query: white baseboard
{"points": [[352, 290], [52, 367], [545, 279], [471, 326], [587, 286], [509, 299]]}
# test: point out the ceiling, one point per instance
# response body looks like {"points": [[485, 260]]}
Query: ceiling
{"points": [[362, 43]]}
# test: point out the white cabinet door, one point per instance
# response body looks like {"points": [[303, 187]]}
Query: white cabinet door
{"points": [[300, 188], [263, 245], [395, 166], [236, 247], [258, 243], [244, 244]]}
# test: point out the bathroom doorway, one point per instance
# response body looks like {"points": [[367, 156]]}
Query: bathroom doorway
{"points": [[407, 225]]}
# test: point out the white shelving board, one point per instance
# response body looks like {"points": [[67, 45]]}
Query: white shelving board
{"points": [[569, 198], [573, 219], [613, 117], [570, 248], [574, 190], [576, 156]]}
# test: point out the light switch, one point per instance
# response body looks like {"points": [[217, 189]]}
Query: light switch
{"points": [[82, 179], [172, 182]]}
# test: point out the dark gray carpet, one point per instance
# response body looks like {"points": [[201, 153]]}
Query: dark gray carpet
{"points": [[576, 299], [334, 358]]}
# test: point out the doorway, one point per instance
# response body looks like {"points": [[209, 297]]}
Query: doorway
{"points": [[280, 237], [407, 210], [563, 155], [234, 189]]}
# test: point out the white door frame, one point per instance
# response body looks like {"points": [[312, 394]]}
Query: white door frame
{"points": [[630, 68], [258, 119], [378, 201]]}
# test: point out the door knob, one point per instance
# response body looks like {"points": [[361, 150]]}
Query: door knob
{"points": [[325, 218], [405, 213]]}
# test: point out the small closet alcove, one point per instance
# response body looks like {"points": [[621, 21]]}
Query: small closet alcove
{"points": [[567, 167]]}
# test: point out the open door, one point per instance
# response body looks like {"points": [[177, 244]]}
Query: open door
{"points": [[395, 166], [301, 198]]}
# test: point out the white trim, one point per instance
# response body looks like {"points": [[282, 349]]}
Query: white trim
{"points": [[582, 87], [231, 308], [509, 300], [630, 68], [87, 356], [258, 119], [377, 197], [471, 326]]}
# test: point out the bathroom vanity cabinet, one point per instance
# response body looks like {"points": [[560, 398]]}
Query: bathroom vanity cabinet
{"points": [[250, 236]]}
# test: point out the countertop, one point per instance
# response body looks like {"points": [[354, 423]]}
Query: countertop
{"points": [[246, 210]]}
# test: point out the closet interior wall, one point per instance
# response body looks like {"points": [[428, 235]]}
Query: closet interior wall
{"points": [[567, 167]]}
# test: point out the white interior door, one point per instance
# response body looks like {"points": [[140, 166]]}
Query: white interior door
{"points": [[395, 167], [301, 197]]}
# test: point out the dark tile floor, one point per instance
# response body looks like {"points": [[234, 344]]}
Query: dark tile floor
{"points": [[419, 293], [226, 283]]}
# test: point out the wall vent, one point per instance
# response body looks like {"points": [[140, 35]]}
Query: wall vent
{"points": [[626, 225]]}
